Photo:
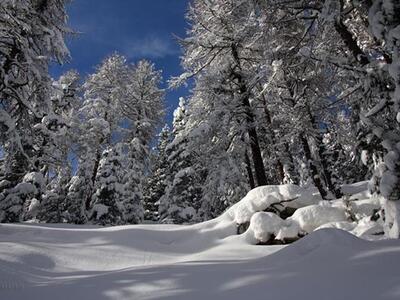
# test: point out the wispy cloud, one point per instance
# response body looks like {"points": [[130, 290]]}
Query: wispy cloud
{"points": [[151, 47]]}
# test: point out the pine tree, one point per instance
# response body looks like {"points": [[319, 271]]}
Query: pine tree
{"points": [[109, 192], [156, 183], [21, 203], [182, 195]]}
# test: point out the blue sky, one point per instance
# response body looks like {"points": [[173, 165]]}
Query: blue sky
{"points": [[135, 28]]}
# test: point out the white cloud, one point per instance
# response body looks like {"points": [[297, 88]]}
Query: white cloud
{"points": [[152, 47]]}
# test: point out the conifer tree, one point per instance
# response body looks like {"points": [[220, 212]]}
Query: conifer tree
{"points": [[156, 183], [182, 195]]}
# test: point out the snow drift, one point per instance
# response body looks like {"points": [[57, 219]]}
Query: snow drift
{"points": [[270, 214], [210, 260], [190, 262]]}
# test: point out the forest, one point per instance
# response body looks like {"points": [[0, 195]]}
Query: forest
{"points": [[277, 176]]}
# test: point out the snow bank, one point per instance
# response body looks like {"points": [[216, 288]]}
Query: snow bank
{"points": [[358, 190], [258, 213], [265, 226], [313, 216], [145, 262], [263, 197], [365, 228]]}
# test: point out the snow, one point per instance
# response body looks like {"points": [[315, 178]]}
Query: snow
{"points": [[265, 224], [263, 197], [190, 262], [209, 259], [364, 157], [392, 209], [365, 207], [311, 217]]}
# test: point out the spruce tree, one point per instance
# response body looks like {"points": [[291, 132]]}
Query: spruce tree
{"points": [[156, 181]]}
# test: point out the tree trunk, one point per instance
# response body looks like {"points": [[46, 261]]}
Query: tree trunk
{"points": [[325, 173], [313, 168], [279, 165], [259, 168], [249, 171], [93, 179]]}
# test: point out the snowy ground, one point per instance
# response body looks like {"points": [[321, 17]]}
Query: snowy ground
{"points": [[204, 261], [209, 260]]}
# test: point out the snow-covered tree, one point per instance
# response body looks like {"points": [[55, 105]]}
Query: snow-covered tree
{"points": [[216, 138], [32, 35], [219, 46], [156, 182], [384, 20], [143, 109], [181, 199], [109, 192], [66, 103], [122, 107], [21, 202]]}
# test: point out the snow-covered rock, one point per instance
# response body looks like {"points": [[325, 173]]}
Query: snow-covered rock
{"points": [[356, 212], [313, 216], [264, 225], [263, 197]]}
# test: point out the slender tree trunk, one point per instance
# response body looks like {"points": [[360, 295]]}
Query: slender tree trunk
{"points": [[93, 179], [315, 176], [261, 178], [249, 171], [259, 168], [279, 165], [96, 166], [325, 173]]}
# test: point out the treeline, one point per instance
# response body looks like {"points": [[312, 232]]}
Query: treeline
{"points": [[304, 92], [72, 151]]}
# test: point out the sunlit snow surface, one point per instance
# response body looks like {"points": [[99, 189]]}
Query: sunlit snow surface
{"points": [[204, 261], [208, 260]]}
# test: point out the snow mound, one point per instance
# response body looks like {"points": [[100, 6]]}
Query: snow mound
{"points": [[313, 216], [358, 190], [265, 226], [284, 213], [344, 225], [329, 238], [263, 197], [322, 240]]}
